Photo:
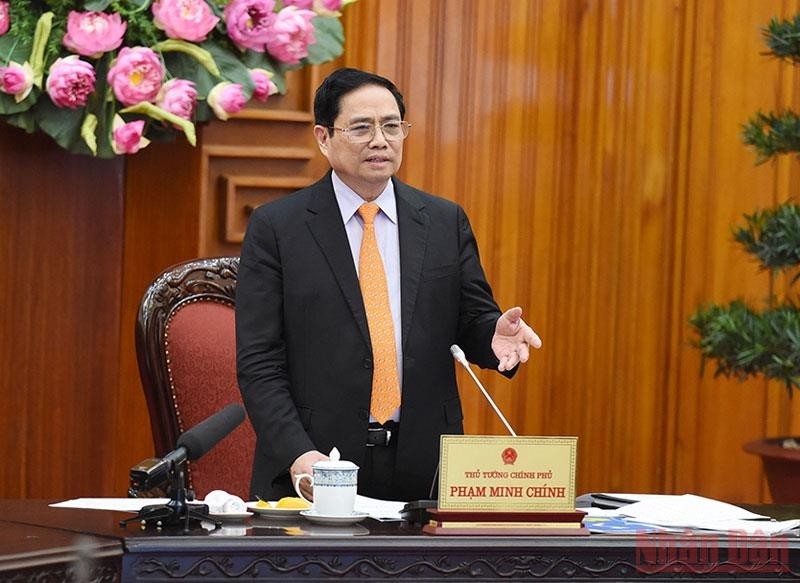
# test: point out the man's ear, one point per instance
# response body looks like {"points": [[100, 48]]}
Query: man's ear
{"points": [[323, 139]]}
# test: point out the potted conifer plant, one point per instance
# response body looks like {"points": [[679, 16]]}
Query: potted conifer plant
{"points": [[745, 341]]}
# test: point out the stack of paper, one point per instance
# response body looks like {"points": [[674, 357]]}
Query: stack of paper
{"points": [[686, 512]]}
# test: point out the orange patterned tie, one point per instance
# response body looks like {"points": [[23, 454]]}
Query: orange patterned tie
{"points": [[385, 382]]}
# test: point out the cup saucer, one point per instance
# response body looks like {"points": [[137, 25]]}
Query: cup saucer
{"points": [[317, 518]]}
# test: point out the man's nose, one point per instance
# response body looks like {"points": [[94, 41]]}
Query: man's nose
{"points": [[378, 139]]}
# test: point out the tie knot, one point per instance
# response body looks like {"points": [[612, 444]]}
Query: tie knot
{"points": [[368, 212]]}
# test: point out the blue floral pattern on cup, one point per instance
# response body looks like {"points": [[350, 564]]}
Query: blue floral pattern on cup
{"points": [[335, 478]]}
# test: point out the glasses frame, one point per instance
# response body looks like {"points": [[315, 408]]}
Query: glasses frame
{"points": [[346, 132]]}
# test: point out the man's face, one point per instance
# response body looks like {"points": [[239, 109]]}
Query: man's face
{"points": [[368, 166]]}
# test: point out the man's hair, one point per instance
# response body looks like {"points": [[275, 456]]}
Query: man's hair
{"points": [[341, 82]]}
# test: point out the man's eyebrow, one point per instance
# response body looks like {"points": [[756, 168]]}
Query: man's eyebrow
{"points": [[370, 119]]}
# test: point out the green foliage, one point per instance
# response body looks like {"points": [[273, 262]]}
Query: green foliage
{"points": [[330, 41], [773, 236], [772, 134], [744, 342], [783, 38]]}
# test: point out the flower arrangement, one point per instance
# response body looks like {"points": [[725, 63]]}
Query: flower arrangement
{"points": [[104, 77]]}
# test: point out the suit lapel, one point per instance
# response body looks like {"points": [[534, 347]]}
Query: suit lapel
{"points": [[413, 230], [325, 223]]}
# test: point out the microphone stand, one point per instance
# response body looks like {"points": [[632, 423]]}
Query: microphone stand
{"points": [[415, 511], [458, 354], [175, 512]]}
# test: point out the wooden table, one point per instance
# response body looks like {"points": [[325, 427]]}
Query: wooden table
{"points": [[55, 541]]}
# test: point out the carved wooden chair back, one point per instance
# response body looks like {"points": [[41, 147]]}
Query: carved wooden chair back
{"points": [[186, 349]]}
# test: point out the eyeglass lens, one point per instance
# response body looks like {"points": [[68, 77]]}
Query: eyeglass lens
{"points": [[392, 130]]}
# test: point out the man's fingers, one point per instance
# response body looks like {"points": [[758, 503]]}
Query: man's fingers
{"points": [[530, 336], [513, 314], [508, 361]]}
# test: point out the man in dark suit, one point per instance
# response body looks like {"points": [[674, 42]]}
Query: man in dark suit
{"points": [[306, 360]]}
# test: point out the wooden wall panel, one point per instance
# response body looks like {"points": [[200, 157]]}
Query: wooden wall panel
{"points": [[161, 228], [595, 146], [722, 183], [60, 246]]}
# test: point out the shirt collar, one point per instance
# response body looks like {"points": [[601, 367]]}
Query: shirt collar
{"points": [[349, 201]]}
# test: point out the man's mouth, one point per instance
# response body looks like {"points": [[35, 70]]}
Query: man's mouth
{"points": [[377, 159]]}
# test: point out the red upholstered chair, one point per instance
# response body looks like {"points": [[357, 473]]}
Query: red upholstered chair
{"points": [[186, 348]]}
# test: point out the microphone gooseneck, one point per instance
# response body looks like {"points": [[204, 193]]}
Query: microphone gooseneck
{"points": [[461, 358]]}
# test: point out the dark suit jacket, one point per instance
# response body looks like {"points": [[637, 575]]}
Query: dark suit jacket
{"points": [[303, 348]]}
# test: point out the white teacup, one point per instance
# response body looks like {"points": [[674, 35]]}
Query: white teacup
{"points": [[335, 483]]}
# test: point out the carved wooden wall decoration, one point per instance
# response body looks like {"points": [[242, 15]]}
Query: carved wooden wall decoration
{"points": [[264, 153]]}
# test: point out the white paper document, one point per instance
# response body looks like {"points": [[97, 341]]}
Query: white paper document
{"points": [[120, 504], [379, 509], [695, 512]]}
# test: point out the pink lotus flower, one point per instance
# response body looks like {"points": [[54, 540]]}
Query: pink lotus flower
{"points": [[291, 35], [136, 75], [303, 4], [5, 19], [226, 98], [249, 23], [93, 33], [327, 7], [178, 96], [321, 7], [127, 138], [264, 85], [70, 81], [16, 80], [189, 20]]}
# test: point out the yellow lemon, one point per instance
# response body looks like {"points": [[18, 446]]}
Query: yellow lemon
{"points": [[290, 502]]}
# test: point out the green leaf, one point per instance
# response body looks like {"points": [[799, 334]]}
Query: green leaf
{"points": [[24, 120], [330, 40], [96, 5], [9, 105], [199, 54], [63, 125], [231, 67], [14, 49], [43, 28], [155, 112], [88, 129], [182, 66]]}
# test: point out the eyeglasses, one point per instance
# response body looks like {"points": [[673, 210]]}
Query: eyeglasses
{"points": [[361, 133]]}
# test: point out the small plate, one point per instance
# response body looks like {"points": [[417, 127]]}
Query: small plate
{"points": [[338, 520], [228, 516], [272, 512]]}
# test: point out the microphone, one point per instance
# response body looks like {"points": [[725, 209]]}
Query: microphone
{"points": [[461, 358], [205, 435], [192, 444]]}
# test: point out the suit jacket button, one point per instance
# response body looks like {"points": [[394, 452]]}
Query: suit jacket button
{"points": [[367, 362]]}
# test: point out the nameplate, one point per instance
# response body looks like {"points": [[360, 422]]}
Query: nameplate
{"points": [[507, 474]]}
